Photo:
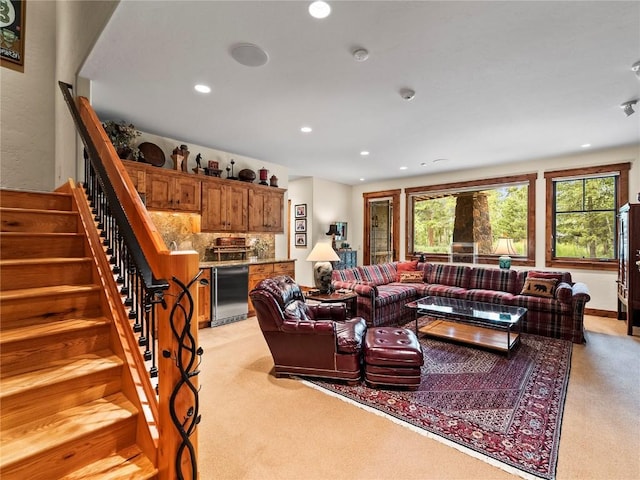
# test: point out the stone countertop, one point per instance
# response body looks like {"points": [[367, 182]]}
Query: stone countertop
{"points": [[233, 263]]}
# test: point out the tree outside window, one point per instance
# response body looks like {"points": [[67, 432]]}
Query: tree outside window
{"points": [[582, 207], [476, 214]]}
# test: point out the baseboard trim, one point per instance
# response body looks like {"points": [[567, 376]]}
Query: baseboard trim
{"points": [[600, 313]]}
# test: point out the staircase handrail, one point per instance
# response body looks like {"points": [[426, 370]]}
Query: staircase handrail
{"points": [[176, 334]]}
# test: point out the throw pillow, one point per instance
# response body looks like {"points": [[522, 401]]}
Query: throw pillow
{"points": [[537, 274], [539, 287], [405, 267], [410, 277]]}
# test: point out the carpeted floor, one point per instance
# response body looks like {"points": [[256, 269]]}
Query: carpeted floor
{"points": [[258, 427], [506, 411]]}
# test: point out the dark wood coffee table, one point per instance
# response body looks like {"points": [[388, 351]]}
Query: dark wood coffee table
{"points": [[348, 298]]}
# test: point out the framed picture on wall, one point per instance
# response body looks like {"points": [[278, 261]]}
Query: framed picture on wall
{"points": [[12, 30], [301, 210], [342, 231], [301, 225], [301, 239]]}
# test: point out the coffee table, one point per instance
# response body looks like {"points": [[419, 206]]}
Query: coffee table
{"points": [[489, 325]]}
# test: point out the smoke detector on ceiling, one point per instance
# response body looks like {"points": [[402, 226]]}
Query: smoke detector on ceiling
{"points": [[360, 54], [635, 68]]}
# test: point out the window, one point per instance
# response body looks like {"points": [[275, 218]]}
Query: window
{"points": [[464, 222], [582, 205]]}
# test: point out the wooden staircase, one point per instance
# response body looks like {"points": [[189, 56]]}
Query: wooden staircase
{"points": [[65, 409]]}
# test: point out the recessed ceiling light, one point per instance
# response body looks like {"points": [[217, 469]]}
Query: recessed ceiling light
{"points": [[319, 9], [306, 129], [249, 55], [362, 179], [403, 168], [364, 153], [585, 145], [202, 88]]}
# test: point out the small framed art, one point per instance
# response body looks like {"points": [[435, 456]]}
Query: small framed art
{"points": [[301, 225], [301, 239], [301, 210]]}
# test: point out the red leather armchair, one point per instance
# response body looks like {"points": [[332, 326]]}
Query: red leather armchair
{"points": [[307, 340]]}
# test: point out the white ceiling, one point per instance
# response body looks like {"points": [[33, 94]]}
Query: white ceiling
{"points": [[495, 82]]}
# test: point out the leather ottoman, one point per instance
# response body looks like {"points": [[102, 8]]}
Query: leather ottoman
{"points": [[392, 356]]}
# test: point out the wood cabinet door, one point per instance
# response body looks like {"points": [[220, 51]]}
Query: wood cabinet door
{"points": [[214, 217], [257, 273], [138, 176], [256, 211], [285, 268], [266, 211], [273, 210], [236, 207], [160, 191], [187, 194]]}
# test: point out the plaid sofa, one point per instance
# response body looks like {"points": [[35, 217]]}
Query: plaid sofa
{"points": [[381, 299]]}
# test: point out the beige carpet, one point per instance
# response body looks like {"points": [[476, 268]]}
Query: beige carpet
{"points": [[255, 426]]}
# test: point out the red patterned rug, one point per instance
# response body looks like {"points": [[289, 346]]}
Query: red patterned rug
{"points": [[507, 412]]}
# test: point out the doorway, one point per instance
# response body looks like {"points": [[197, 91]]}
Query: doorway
{"points": [[382, 218]]}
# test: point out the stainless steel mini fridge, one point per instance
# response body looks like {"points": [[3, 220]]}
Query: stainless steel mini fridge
{"points": [[229, 292]]}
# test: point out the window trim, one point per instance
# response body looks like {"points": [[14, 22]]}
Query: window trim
{"points": [[622, 197], [530, 179]]}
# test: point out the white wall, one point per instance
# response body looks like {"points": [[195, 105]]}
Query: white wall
{"points": [[327, 202], [602, 284], [37, 137], [27, 141]]}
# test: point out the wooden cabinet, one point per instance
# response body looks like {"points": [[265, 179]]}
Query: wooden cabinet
{"points": [[261, 271], [224, 207], [168, 191], [266, 209], [628, 269]]}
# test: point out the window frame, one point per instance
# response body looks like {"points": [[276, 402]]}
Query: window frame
{"points": [[621, 171], [530, 179]]}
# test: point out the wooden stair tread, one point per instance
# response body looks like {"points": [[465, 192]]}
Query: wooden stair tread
{"points": [[124, 464], [38, 210], [58, 371], [53, 291], [61, 326], [38, 261], [29, 438]]}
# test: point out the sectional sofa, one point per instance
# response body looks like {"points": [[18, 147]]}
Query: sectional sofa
{"points": [[555, 305]]}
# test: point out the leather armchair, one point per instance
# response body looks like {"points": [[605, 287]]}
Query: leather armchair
{"points": [[307, 340]]}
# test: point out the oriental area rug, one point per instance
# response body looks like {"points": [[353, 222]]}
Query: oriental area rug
{"points": [[505, 411]]}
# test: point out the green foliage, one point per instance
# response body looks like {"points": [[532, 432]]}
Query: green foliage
{"points": [[434, 219], [585, 218], [122, 136]]}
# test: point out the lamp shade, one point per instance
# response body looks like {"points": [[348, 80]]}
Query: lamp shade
{"points": [[323, 252], [505, 247]]}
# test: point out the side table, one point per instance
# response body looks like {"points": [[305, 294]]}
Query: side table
{"points": [[349, 299]]}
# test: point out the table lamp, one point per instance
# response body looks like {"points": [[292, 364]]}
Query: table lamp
{"points": [[333, 231], [323, 255], [504, 249]]}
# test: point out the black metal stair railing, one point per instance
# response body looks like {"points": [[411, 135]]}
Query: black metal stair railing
{"points": [[139, 296], [141, 292]]}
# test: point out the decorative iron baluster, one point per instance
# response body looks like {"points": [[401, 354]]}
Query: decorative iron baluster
{"points": [[188, 369]]}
